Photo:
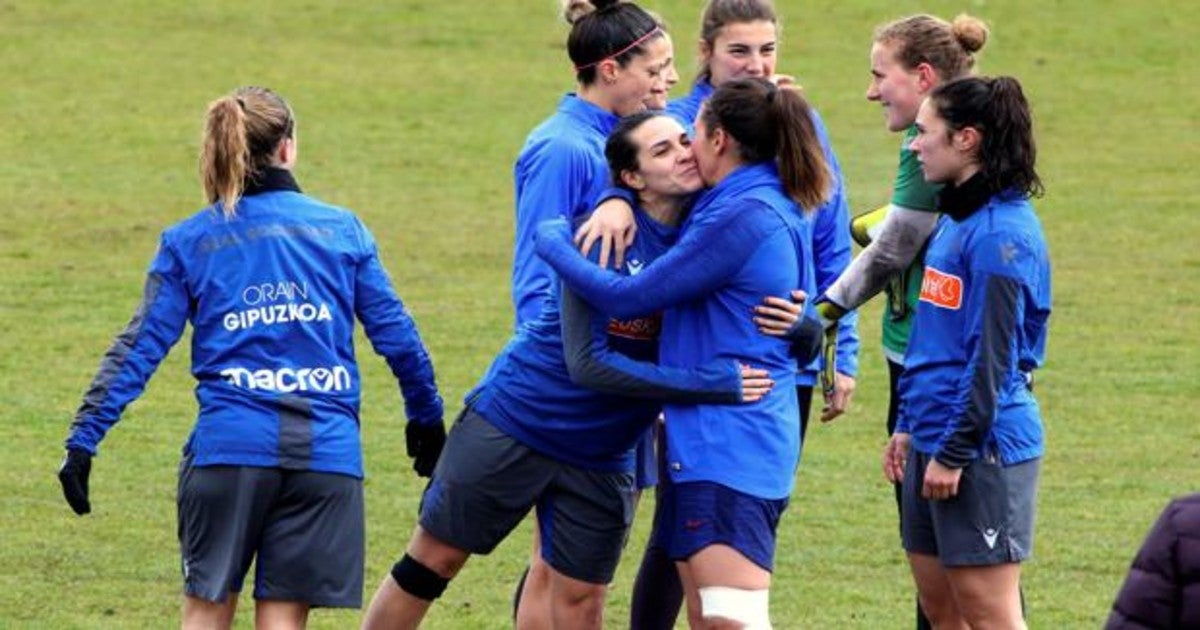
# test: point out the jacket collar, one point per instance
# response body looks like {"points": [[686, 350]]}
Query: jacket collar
{"points": [[739, 181], [960, 202], [602, 120], [270, 179]]}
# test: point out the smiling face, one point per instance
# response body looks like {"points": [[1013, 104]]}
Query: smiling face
{"points": [[665, 164], [740, 49], [946, 156], [659, 94], [898, 89], [629, 88]]}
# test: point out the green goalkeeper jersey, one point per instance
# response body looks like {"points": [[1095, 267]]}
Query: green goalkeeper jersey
{"points": [[910, 190]]}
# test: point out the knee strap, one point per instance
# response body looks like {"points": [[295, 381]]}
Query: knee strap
{"points": [[750, 608], [418, 580]]}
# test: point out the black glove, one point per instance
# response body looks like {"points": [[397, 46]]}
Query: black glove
{"points": [[73, 474], [425, 442]]}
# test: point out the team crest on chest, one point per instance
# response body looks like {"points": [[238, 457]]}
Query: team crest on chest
{"points": [[941, 289]]}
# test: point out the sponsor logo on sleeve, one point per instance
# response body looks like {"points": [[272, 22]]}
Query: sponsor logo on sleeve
{"points": [[941, 289]]}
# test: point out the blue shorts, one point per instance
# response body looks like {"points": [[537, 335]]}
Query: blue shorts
{"points": [[989, 522], [302, 529], [696, 514], [486, 482]]}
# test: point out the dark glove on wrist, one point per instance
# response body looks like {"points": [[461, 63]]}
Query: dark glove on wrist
{"points": [[73, 475], [425, 442], [805, 338]]}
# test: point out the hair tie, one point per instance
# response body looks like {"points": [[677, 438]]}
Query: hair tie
{"points": [[241, 103], [637, 42]]}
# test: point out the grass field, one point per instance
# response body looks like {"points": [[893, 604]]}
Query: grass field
{"points": [[412, 114]]}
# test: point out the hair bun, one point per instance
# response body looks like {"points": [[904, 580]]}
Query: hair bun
{"points": [[970, 32], [574, 10]]}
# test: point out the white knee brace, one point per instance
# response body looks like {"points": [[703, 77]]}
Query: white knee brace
{"points": [[750, 608]]}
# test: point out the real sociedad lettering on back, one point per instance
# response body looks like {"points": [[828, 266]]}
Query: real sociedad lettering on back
{"points": [[267, 311], [941, 289], [287, 380]]}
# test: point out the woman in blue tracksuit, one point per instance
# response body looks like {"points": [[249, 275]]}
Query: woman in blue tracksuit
{"points": [[554, 423], [271, 281], [732, 467], [739, 39], [622, 58], [968, 441]]}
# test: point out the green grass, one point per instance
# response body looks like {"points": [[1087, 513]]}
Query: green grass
{"points": [[412, 115]]}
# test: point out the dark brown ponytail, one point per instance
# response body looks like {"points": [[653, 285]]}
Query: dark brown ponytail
{"points": [[769, 123], [997, 109]]}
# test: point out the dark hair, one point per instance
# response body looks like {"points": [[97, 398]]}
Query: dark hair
{"points": [[241, 133], [772, 122], [610, 29], [949, 48], [620, 150], [997, 109], [720, 13]]}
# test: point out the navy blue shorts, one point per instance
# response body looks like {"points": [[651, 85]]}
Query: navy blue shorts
{"points": [[302, 529], [989, 522], [486, 482], [696, 514]]}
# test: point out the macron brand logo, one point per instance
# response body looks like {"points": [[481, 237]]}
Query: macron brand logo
{"points": [[942, 289], [635, 267], [287, 380], [989, 537]]}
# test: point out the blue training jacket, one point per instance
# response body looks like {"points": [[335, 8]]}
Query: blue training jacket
{"points": [[271, 295], [743, 240], [979, 332], [581, 387], [830, 226], [559, 173]]}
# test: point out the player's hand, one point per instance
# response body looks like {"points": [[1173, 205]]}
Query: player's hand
{"points": [[776, 316], [425, 442], [613, 225], [755, 384], [941, 481], [786, 81], [839, 401], [73, 475], [895, 454]]}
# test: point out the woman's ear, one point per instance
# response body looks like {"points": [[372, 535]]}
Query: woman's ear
{"points": [[704, 50], [607, 71], [633, 180], [286, 153], [967, 139], [719, 140], [926, 77]]}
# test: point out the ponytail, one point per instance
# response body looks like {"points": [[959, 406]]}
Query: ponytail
{"points": [[802, 165], [225, 154], [242, 132], [997, 109], [772, 122]]}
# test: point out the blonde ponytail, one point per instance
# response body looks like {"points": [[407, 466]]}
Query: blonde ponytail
{"points": [[225, 154]]}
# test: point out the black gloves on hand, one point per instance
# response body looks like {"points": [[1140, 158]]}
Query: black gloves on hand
{"points": [[425, 442], [73, 474]]}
